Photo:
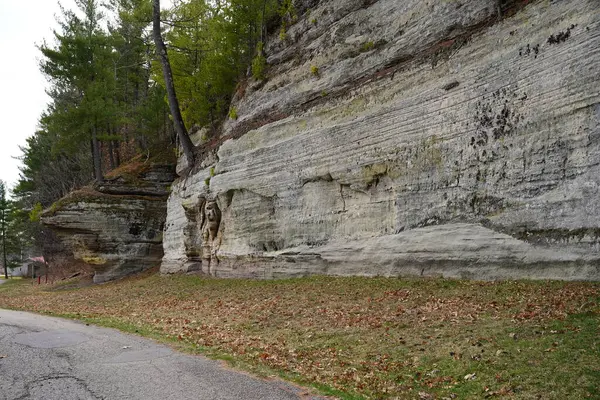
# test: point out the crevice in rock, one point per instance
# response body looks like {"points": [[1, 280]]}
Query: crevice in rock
{"points": [[321, 178], [343, 198]]}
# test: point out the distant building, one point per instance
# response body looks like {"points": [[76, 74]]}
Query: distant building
{"points": [[32, 265]]}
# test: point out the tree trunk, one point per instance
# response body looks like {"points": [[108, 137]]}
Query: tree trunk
{"points": [[263, 26], [117, 146], [184, 138], [111, 155], [96, 156], [5, 261], [4, 258]]}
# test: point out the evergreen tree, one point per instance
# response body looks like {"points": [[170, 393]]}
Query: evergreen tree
{"points": [[80, 68], [141, 101], [7, 238], [108, 93], [212, 44]]}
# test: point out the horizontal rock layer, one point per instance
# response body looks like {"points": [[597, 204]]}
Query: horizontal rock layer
{"points": [[451, 138], [115, 227]]}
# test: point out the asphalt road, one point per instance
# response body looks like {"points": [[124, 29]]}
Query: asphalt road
{"points": [[56, 359]]}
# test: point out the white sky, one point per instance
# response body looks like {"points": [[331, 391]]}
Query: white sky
{"points": [[23, 24]]}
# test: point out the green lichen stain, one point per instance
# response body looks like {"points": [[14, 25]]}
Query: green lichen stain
{"points": [[352, 108], [94, 260], [373, 170], [89, 195], [372, 173], [428, 154]]}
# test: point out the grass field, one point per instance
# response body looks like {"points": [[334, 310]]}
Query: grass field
{"points": [[357, 338]]}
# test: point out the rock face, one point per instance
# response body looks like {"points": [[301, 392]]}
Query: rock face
{"points": [[455, 138], [115, 227]]}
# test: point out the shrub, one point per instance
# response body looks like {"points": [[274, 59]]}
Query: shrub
{"points": [[259, 63], [367, 46], [283, 33], [36, 212], [233, 113]]}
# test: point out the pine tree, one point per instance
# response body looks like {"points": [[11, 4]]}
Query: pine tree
{"points": [[140, 99], [5, 212], [80, 69]]}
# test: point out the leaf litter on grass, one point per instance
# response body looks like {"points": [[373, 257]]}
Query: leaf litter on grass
{"points": [[365, 337]]}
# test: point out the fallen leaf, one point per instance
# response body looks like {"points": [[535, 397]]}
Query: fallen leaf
{"points": [[470, 377]]}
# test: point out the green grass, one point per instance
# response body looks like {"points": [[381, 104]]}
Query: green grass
{"points": [[13, 285], [357, 338]]}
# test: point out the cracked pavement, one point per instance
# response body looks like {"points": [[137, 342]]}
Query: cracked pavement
{"points": [[52, 358]]}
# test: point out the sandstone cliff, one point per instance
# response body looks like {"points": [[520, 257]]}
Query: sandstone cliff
{"points": [[459, 138], [115, 227]]}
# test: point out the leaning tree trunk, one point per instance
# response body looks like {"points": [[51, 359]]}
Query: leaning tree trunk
{"points": [[184, 138]]}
